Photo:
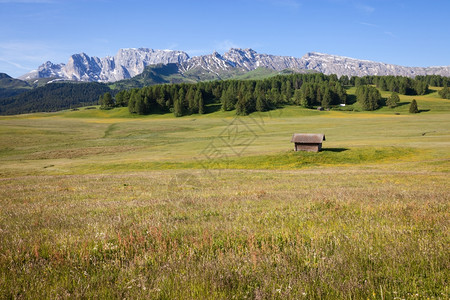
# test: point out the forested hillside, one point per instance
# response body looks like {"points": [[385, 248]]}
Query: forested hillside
{"points": [[10, 86], [162, 89], [247, 96], [53, 97]]}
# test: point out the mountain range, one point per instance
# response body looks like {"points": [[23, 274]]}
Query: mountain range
{"points": [[128, 63]]}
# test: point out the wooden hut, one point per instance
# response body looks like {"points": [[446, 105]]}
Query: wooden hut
{"points": [[308, 141]]}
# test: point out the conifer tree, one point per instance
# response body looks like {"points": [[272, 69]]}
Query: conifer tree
{"points": [[178, 108], [140, 106], [445, 93], [106, 101], [201, 105], [298, 97], [413, 107], [197, 102], [228, 98], [393, 100], [326, 99], [260, 103], [132, 102], [240, 107]]}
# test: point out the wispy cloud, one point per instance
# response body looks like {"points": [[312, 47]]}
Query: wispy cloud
{"points": [[225, 45], [364, 8], [173, 46], [369, 24], [219, 46], [380, 28], [355, 4], [28, 55], [289, 4], [16, 65], [286, 3], [390, 34]]}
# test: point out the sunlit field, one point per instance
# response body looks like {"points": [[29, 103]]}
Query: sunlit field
{"points": [[101, 204]]}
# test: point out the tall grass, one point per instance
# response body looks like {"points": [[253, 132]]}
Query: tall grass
{"points": [[329, 234], [98, 204]]}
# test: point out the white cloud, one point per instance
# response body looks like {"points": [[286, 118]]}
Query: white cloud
{"points": [[225, 45], [369, 24], [365, 8], [286, 3], [355, 4], [17, 56], [16, 65], [173, 46], [390, 34]]}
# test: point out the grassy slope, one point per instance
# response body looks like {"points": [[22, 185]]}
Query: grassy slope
{"points": [[103, 204], [160, 74]]}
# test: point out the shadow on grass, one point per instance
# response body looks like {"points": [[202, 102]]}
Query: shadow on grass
{"points": [[210, 108], [423, 110], [334, 149]]}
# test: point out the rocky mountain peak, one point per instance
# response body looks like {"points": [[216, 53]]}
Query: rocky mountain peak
{"points": [[126, 63], [130, 62]]}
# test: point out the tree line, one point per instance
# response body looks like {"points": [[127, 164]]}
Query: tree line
{"points": [[243, 96], [247, 96], [434, 80], [54, 97]]}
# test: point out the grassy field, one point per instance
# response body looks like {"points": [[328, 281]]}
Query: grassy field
{"points": [[101, 204]]}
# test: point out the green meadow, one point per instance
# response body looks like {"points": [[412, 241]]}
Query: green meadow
{"points": [[103, 204]]}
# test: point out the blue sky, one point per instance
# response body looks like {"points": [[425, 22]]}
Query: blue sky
{"points": [[403, 32]]}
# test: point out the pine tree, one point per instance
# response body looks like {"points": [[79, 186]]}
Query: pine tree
{"points": [[122, 98], [106, 101], [240, 107], [132, 102], [382, 84], [140, 107], [368, 97], [191, 101], [298, 94], [260, 103], [393, 100], [326, 99], [341, 94], [445, 93], [178, 108], [344, 80], [201, 105], [197, 104], [228, 98], [413, 107], [100, 100]]}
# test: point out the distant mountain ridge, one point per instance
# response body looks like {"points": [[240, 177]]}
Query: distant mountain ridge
{"points": [[341, 65], [10, 87], [128, 63]]}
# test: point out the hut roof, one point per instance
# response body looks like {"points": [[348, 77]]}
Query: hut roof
{"points": [[308, 138]]}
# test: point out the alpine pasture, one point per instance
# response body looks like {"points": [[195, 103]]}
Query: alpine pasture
{"points": [[104, 204]]}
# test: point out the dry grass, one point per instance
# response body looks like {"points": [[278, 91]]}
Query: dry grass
{"points": [[313, 234], [96, 205], [80, 152]]}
